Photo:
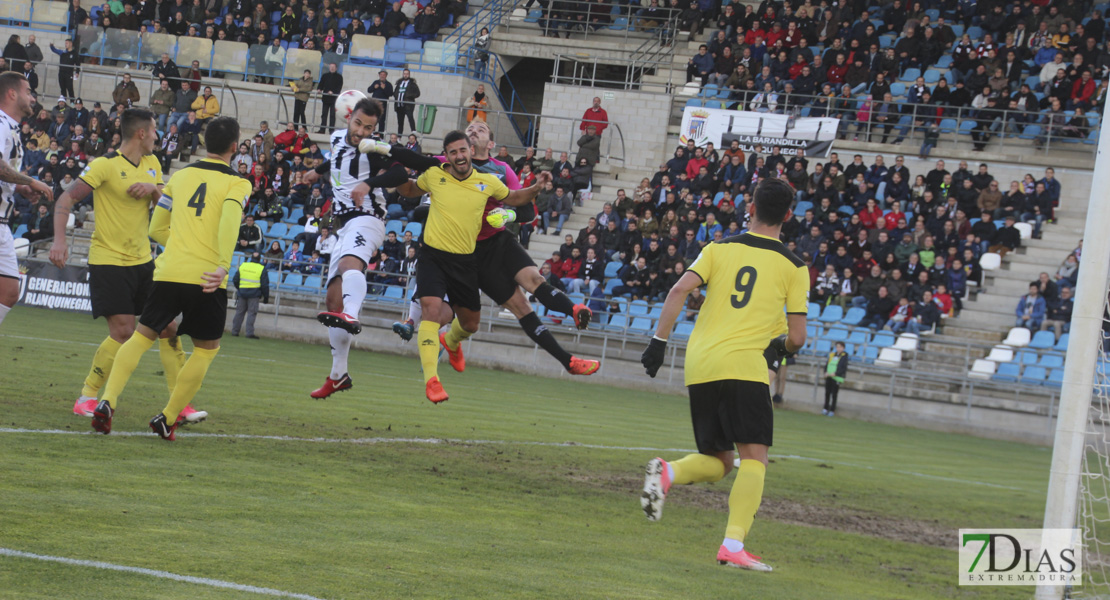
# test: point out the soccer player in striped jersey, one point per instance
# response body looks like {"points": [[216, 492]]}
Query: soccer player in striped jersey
{"points": [[357, 179], [15, 105], [750, 278]]}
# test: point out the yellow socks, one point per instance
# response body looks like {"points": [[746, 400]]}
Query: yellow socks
{"points": [[697, 468], [456, 335], [101, 367], [127, 359], [173, 358], [743, 501], [188, 381], [427, 340]]}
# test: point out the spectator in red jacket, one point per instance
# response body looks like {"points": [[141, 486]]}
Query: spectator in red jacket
{"points": [[595, 115], [695, 164], [837, 71], [1081, 92]]}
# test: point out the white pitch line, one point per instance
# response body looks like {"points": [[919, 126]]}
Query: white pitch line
{"points": [[160, 574], [402, 440]]}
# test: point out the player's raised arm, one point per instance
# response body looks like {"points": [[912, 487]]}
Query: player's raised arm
{"points": [[59, 251], [655, 353], [524, 196], [312, 176]]}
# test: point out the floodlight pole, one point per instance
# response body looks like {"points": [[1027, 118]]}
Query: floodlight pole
{"points": [[1062, 502]]}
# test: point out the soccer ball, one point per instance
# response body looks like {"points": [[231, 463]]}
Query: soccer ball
{"points": [[346, 102]]}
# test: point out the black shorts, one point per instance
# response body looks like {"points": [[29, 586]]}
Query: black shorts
{"points": [[500, 257], [115, 290], [730, 412], [202, 315], [448, 275]]}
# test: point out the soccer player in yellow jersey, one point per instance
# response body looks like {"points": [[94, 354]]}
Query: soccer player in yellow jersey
{"points": [[197, 220], [750, 278], [448, 267], [124, 185]]}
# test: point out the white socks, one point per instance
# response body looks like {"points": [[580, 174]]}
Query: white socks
{"points": [[733, 545], [415, 312], [670, 470], [354, 292], [4, 312], [340, 347]]}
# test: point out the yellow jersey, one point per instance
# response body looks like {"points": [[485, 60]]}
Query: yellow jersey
{"points": [[457, 207], [120, 236], [749, 278], [198, 196]]}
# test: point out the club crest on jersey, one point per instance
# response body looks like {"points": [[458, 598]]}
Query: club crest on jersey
{"points": [[152, 172], [123, 174], [481, 186]]}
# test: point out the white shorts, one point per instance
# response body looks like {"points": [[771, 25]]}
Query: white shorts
{"points": [[9, 266], [360, 237]]}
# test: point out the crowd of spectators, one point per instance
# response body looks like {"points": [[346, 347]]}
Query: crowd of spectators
{"points": [[1050, 302], [1042, 63], [276, 25]]}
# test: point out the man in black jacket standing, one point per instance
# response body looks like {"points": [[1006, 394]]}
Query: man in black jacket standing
{"points": [[68, 61], [381, 90], [405, 91], [331, 85]]}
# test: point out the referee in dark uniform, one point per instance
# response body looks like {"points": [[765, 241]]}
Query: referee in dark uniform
{"points": [[750, 278], [69, 61]]}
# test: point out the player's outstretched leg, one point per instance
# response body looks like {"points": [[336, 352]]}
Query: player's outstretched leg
{"points": [[173, 360], [428, 344], [743, 502], [103, 359], [127, 359], [338, 380], [553, 299], [661, 475], [353, 283], [405, 329], [189, 381]]}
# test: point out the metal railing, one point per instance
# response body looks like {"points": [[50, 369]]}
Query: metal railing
{"points": [[583, 71], [613, 147], [955, 124], [600, 21]]}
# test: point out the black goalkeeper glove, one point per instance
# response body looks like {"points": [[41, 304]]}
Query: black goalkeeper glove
{"points": [[778, 346], [653, 355]]}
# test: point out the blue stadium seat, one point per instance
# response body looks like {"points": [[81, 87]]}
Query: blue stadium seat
{"points": [[812, 331], [1062, 344], [294, 215], [278, 230], [710, 90], [802, 207], [638, 308], [883, 339], [313, 284], [19, 231], [641, 325], [832, 314], [533, 16], [656, 311], [263, 225], [932, 76], [1026, 357], [695, 102], [293, 231], [1042, 340], [610, 285], [1031, 131], [1007, 372], [683, 330], [846, 210], [415, 228], [813, 311], [1055, 377], [854, 316], [1051, 361], [612, 269], [948, 125], [870, 353], [944, 62], [966, 127], [897, 89], [618, 322], [1033, 375], [822, 347], [975, 32], [395, 226], [859, 337], [394, 294], [909, 75], [836, 334], [293, 281]]}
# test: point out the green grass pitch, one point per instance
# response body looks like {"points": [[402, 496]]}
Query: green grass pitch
{"points": [[851, 510]]}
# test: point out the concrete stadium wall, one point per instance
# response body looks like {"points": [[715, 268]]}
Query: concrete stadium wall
{"points": [[641, 116]]}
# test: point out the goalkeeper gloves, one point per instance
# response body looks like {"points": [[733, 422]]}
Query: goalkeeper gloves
{"points": [[369, 146], [653, 355], [778, 347], [499, 217]]}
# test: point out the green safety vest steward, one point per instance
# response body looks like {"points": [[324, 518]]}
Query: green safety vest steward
{"points": [[250, 276]]}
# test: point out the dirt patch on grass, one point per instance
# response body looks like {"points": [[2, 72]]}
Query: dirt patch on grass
{"points": [[836, 518]]}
